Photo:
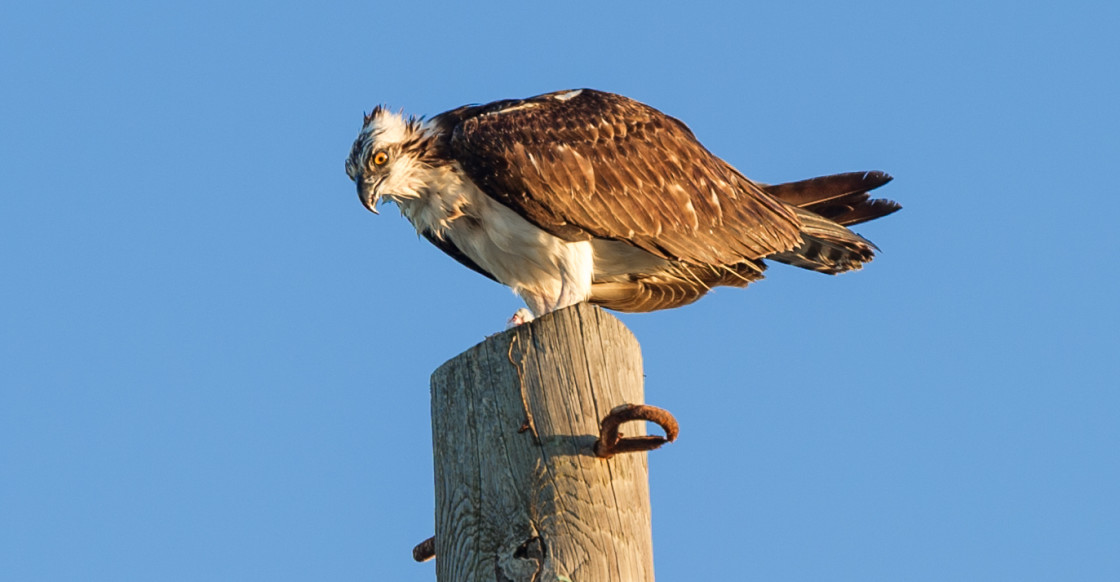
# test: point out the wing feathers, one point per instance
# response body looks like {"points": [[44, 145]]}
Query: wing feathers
{"points": [[601, 165]]}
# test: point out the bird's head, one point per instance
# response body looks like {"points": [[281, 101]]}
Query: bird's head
{"points": [[386, 161]]}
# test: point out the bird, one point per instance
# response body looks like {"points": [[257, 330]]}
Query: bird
{"points": [[589, 196]]}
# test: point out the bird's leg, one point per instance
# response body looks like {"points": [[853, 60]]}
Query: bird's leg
{"points": [[535, 299], [575, 277], [569, 295], [571, 286], [611, 442]]}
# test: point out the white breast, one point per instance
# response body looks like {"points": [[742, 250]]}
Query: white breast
{"points": [[547, 272]]}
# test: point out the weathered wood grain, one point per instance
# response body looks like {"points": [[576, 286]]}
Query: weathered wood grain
{"points": [[519, 494]]}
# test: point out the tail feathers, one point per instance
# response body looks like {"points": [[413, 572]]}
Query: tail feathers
{"points": [[825, 205], [841, 198], [827, 247]]}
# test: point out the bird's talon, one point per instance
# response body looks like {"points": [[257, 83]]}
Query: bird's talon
{"points": [[611, 442], [520, 317]]}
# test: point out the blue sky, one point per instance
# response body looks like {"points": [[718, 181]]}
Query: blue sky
{"points": [[215, 362]]}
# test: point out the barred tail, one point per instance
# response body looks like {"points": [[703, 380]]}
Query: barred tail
{"points": [[825, 205]]}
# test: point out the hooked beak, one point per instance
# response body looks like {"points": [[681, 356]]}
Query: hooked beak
{"points": [[367, 193]]}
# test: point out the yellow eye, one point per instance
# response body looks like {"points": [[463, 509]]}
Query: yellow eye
{"points": [[380, 158]]}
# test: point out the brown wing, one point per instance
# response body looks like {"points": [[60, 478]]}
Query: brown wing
{"points": [[591, 164]]}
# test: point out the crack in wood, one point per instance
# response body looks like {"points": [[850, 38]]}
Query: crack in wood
{"points": [[518, 367]]}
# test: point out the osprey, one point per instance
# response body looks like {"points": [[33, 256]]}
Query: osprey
{"points": [[589, 196]]}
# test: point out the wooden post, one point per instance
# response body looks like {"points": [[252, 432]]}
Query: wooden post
{"points": [[520, 496]]}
